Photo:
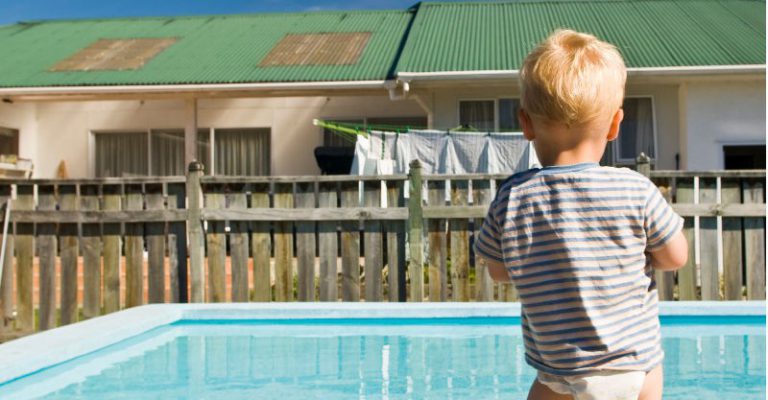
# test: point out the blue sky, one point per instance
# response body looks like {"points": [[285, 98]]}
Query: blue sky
{"points": [[12, 11]]}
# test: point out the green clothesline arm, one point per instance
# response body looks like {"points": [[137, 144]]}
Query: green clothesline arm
{"points": [[338, 127]]}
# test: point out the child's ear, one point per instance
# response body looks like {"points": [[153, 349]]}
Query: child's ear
{"points": [[526, 124], [613, 131]]}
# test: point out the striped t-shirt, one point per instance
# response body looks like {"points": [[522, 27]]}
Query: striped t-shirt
{"points": [[573, 240]]}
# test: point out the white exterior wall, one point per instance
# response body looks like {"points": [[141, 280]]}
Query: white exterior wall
{"points": [[21, 117], [718, 114], [63, 131]]}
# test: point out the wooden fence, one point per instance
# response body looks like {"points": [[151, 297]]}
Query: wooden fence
{"points": [[80, 248]]}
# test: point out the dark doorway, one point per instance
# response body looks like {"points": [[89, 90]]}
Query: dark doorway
{"points": [[744, 157]]}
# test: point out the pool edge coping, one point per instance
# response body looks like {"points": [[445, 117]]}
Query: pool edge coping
{"points": [[19, 360]]}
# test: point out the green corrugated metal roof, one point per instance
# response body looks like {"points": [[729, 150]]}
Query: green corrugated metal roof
{"points": [[216, 49], [650, 33]]}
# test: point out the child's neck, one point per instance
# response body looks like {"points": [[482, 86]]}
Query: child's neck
{"points": [[584, 153]]}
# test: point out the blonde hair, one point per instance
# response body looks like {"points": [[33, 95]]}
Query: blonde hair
{"points": [[572, 78]]}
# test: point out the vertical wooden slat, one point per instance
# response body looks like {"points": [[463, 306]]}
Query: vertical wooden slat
{"points": [[459, 244], [283, 245], [686, 276], [437, 253], [260, 246], [305, 244], [350, 245], [732, 243], [754, 241], [665, 280], [415, 232], [710, 283], [374, 253], [156, 246], [395, 243], [327, 198], [6, 280], [238, 245], [177, 247], [195, 233], [483, 283], [134, 249], [112, 249], [46, 252], [216, 240], [91, 245], [25, 242], [68, 195]]}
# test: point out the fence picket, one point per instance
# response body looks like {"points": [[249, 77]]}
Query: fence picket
{"points": [[260, 246], [329, 246], [350, 245], [710, 284], [112, 249], [754, 237], [68, 233], [283, 245], [374, 254], [305, 244], [665, 280], [177, 247], [395, 245], [481, 190], [686, 276], [216, 243], [732, 243], [46, 252], [91, 245], [437, 239], [156, 246], [238, 245], [459, 244], [134, 249], [415, 232]]}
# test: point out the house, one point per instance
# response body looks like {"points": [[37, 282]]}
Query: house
{"points": [[144, 96]]}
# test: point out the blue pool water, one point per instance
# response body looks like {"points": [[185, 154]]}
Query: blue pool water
{"points": [[461, 358]]}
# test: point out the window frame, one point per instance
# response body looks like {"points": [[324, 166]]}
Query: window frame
{"points": [[17, 131], [615, 144]]}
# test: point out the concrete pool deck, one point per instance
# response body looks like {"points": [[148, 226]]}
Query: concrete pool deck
{"points": [[32, 353]]}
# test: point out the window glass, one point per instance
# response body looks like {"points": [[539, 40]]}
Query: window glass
{"points": [[477, 114], [9, 141], [636, 131], [242, 151], [121, 154], [508, 109], [167, 152]]}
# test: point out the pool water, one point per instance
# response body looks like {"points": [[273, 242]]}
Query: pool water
{"points": [[461, 358]]}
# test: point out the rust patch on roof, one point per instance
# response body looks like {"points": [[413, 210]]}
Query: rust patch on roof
{"points": [[317, 49], [114, 55]]}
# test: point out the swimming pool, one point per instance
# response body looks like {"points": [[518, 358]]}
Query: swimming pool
{"points": [[371, 351]]}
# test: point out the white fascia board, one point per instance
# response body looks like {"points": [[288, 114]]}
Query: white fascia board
{"points": [[191, 89], [649, 71]]}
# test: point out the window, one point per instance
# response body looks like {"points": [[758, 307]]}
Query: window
{"points": [[9, 142], [636, 133], [482, 114], [744, 157], [160, 152]]}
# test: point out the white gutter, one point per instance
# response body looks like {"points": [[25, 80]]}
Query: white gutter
{"points": [[192, 88], [649, 71]]}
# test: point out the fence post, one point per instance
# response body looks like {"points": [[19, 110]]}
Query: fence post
{"points": [[195, 231], [415, 232]]}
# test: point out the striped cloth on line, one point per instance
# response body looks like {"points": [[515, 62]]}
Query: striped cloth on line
{"points": [[573, 240]]}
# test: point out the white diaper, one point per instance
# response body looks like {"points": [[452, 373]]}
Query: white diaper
{"points": [[602, 385]]}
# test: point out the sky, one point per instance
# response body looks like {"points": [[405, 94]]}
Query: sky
{"points": [[12, 11]]}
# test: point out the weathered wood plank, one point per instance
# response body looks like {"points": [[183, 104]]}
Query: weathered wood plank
{"points": [[91, 245], [305, 243], [710, 284], [156, 234], [25, 242], [350, 246], [374, 251], [732, 243], [134, 250], [395, 245], [415, 232], [686, 276], [177, 247], [484, 284], [754, 241], [261, 245], [283, 198], [74, 217], [665, 280], [216, 241], [308, 214], [111, 235], [195, 233], [238, 245], [329, 246], [68, 233], [745, 173], [6, 279], [724, 210], [459, 244], [46, 252], [437, 239]]}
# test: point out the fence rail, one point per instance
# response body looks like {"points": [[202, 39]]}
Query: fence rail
{"points": [[81, 248]]}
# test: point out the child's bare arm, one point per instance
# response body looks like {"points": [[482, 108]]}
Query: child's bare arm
{"points": [[497, 271], [672, 255]]}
